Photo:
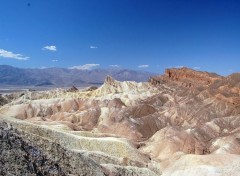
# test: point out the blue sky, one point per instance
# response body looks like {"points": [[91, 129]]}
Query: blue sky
{"points": [[148, 35]]}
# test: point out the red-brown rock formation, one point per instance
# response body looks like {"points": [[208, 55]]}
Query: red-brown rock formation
{"points": [[187, 77]]}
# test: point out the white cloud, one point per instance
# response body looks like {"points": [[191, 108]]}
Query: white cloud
{"points": [[50, 48], [93, 47], [9, 54], [179, 66], [196, 68], [54, 60], [116, 66], [143, 66], [85, 67]]}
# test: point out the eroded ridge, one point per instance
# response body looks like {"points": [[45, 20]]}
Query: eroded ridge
{"points": [[141, 128]]}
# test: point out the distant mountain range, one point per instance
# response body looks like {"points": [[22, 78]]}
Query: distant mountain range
{"points": [[12, 76]]}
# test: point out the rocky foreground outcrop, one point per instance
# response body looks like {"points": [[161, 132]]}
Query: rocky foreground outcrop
{"points": [[184, 122], [24, 153], [35, 150]]}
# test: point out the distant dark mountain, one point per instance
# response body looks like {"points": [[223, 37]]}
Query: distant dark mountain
{"points": [[44, 84], [13, 76]]}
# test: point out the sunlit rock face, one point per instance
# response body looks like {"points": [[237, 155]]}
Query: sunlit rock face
{"points": [[146, 128]]}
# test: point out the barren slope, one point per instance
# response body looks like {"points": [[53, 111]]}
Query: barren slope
{"points": [[154, 127]]}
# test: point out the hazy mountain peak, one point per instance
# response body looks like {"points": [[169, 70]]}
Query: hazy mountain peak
{"points": [[65, 77]]}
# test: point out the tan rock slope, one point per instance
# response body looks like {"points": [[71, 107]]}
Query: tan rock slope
{"points": [[184, 122]]}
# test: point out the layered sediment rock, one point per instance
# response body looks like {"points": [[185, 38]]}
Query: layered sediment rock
{"points": [[187, 77], [36, 150], [23, 153], [145, 128]]}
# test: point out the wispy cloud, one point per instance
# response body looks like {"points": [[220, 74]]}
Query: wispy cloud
{"points": [[196, 68], [85, 67], [50, 48], [179, 66], [11, 55], [93, 47], [54, 60], [116, 66], [143, 66]]}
